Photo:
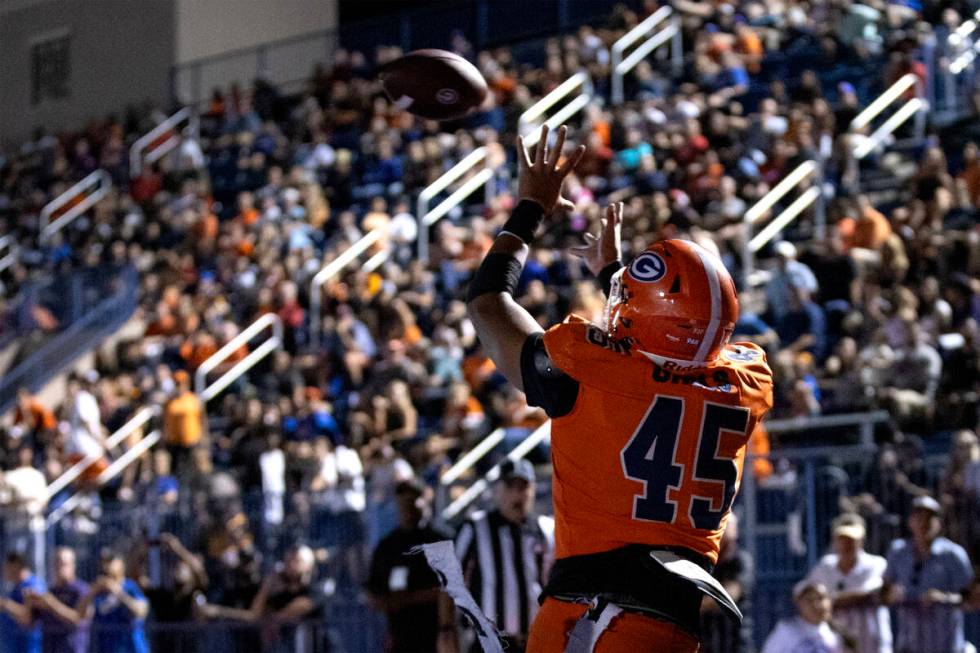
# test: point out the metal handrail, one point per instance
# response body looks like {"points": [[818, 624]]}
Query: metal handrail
{"points": [[965, 29], [526, 123], [960, 35], [8, 243], [138, 420], [865, 420], [863, 146], [208, 392], [778, 191], [472, 457], [107, 475], [473, 492], [883, 101], [960, 63], [781, 221], [672, 33], [329, 271], [426, 217], [866, 146], [806, 170], [377, 260], [100, 177], [204, 392], [159, 151]]}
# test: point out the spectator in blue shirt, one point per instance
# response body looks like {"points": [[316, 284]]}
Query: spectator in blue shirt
{"points": [[803, 326], [118, 610], [925, 582], [21, 631], [65, 629], [788, 273]]}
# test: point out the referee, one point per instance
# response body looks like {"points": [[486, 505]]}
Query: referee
{"points": [[505, 555]]}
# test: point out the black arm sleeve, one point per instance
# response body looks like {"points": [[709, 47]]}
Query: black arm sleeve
{"points": [[544, 384], [606, 275]]}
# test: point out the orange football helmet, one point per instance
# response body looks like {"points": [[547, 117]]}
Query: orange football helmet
{"points": [[675, 301]]}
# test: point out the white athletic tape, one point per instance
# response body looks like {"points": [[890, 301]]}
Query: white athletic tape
{"points": [[442, 559], [587, 630]]}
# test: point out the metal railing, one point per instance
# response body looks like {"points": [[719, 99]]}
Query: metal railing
{"points": [[138, 421], [88, 192], [287, 63], [473, 492], [527, 123], [329, 271], [671, 33], [99, 315], [810, 170], [206, 391], [8, 244], [960, 38], [865, 145], [472, 457], [464, 464], [948, 90], [107, 475], [865, 422], [162, 139], [749, 492], [427, 217]]}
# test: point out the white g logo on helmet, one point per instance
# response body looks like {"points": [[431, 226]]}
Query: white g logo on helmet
{"points": [[648, 268]]}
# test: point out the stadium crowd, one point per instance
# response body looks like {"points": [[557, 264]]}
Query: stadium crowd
{"points": [[311, 445]]}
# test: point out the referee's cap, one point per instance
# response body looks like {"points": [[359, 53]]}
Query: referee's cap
{"points": [[517, 469]]}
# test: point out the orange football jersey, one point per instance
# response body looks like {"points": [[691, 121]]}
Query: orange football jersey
{"points": [[650, 453]]}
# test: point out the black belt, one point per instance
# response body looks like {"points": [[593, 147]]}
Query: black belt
{"points": [[629, 604], [629, 578]]}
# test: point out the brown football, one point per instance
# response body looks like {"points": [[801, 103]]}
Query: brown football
{"points": [[434, 84]]}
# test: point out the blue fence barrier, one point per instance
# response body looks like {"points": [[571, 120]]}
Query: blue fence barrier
{"points": [[89, 305]]}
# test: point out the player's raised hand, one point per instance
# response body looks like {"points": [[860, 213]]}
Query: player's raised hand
{"points": [[540, 180], [599, 251]]}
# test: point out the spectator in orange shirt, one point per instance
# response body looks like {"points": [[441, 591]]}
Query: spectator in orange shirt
{"points": [[198, 349], [33, 416], [163, 324], [184, 422], [247, 213], [477, 370], [749, 45], [872, 228], [971, 172], [463, 414]]}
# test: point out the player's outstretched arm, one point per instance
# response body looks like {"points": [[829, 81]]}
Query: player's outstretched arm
{"points": [[501, 323]]}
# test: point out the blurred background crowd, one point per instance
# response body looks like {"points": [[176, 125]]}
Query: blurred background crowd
{"points": [[282, 485]]}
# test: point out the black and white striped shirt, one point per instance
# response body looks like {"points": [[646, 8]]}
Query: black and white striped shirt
{"points": [[504, 565]]}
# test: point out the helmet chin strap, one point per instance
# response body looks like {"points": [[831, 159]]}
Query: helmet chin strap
{"points": [[613, 301]]}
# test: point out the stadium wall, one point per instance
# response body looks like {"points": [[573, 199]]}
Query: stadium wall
{"points": [[118, 53], [99, 57], [206, 28]]}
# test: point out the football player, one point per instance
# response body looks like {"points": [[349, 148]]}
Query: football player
{"points": [[652, 412]]}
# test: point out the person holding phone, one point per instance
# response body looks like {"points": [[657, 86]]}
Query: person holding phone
{"points": [[118, 609]]}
